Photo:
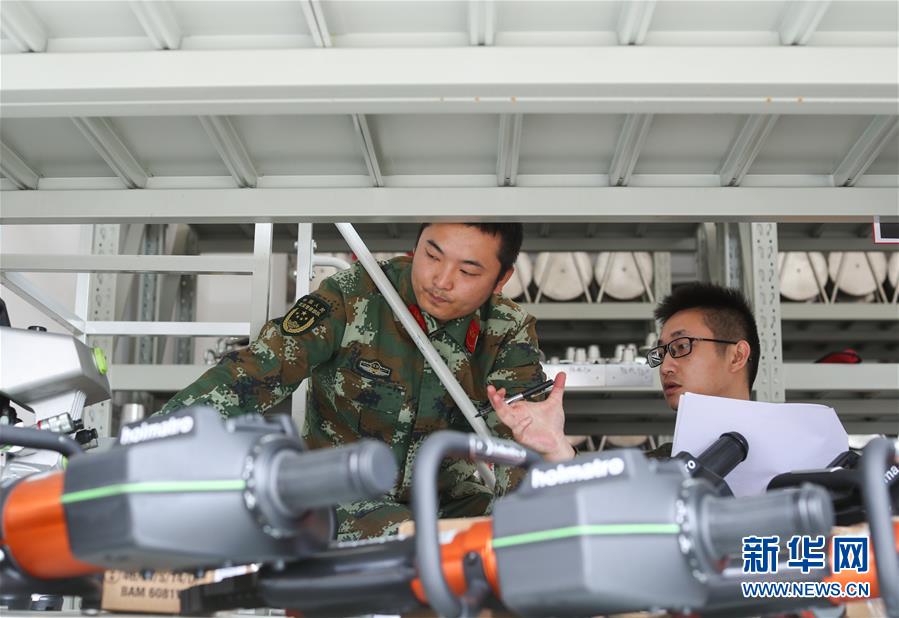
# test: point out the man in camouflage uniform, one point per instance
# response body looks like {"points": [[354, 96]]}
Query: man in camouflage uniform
{"points": [[368, 379]]}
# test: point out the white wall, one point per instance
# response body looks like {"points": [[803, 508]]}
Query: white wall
{"points": [[43, 239]]}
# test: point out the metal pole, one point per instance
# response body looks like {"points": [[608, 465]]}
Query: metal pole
{"points": [[766, 303], [305, 247], [421, 340]]}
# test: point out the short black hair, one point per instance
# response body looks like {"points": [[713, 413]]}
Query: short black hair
{"points": [[725, 310], [511, 235]]}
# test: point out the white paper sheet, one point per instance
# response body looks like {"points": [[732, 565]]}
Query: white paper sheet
{"points": [[782, 437]]}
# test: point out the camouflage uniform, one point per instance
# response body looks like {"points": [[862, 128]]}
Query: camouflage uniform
{"points": [[368, 380]]}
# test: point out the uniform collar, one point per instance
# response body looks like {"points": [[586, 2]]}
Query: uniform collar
{"points": [[465, 330]]}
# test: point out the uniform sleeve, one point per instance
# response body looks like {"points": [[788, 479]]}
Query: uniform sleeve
{"points": [[517, 368], [263, 374]]}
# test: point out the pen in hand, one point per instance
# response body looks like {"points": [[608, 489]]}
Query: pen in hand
{"points": [[525, 394]]}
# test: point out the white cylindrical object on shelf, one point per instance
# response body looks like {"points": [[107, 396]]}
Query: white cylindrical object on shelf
{"points": [[893, 270], [624, 281], [580, 355], [569, 354], [851, 271], [593, 354], [619, 353], [521, 278], [798, 271], [562, 276], [630, 353]]}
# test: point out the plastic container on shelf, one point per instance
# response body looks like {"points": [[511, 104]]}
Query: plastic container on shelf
{"points": [[621, 271], [798, 273], [562, 276], [852, 274], [521, 278]]}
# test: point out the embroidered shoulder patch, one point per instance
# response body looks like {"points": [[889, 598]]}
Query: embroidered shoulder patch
{"points": [[304, 314]]}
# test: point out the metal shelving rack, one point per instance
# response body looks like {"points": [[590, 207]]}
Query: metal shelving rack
{"points": [[627, 140]]}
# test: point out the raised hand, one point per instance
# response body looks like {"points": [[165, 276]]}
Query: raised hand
{"points": [[537, 425]]}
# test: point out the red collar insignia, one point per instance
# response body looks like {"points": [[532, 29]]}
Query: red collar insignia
{"points": [[471, 337], [416, 313]]}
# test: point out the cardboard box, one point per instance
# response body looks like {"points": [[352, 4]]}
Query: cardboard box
{"points": [[407, 528], [157, 594]]}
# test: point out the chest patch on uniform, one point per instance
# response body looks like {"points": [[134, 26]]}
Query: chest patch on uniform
{"points": [[374, 368], [304, 314]]}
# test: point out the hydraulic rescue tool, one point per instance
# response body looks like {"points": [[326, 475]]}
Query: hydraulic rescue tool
{"points": [[576, 538], [843, 479], [180, 492]]}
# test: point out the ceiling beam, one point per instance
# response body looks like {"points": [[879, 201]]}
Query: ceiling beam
{"points": [[14, 168], [157, 18], [100, 134], [23, 28], [481, 22], [369, 153], [594, 80], [508, 149], [231, 149], [865, 150], [800, 19], [373, 205], [634, 20], [745, 148], [630, 143]]}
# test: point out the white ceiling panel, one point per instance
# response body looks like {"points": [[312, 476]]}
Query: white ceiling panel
{"points": [[559, 16], [687, 144], [293, 145], [170, 146], [244, 18], [53, 147], [567, 144], [356, 17], [735, 16], [435, 144], [86, 19], [888, 161], [808, 144], [860, 15]]}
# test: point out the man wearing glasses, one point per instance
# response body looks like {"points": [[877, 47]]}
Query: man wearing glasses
{"points": [[709, 345]]}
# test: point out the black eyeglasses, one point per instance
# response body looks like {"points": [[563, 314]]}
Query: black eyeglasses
{"points": [[677, 348]]}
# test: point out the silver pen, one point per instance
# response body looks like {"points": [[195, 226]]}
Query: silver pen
{"points": [[525, 394]]}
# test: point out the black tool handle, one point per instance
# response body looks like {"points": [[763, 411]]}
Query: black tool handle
{"points": [[725, 453], [805, 510], [324, 477]]}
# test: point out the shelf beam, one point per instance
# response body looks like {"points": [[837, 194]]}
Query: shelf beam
{"points": [[157, 18], [445, 80], [373, 205], [23, 28], [865, 150], [16, 170], [82, 263], [230, 147], [104, 139]]}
